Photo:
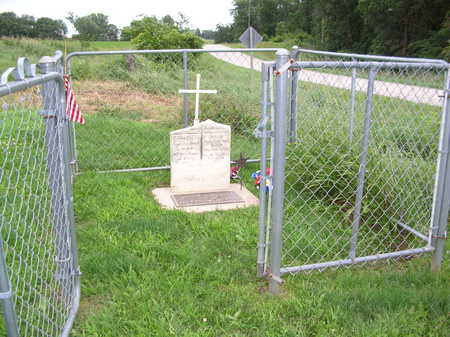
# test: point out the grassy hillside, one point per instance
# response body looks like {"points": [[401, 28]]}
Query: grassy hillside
{"points": [[33, 49]]}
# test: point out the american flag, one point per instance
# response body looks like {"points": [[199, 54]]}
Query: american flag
{"points": [[72, 108]]}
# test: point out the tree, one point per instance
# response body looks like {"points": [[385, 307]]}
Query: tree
{"points": [[182, 22], [9, 24], [224, 33], [151, 33], [390, 27], [27, 26], [168, 20], [94, 27], [17, 26], [50, 29], [208, 34]]}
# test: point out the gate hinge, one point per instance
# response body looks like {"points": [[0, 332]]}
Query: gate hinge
{"points": [[6, 295], [260, 131], [77, 272], [285, 67]]}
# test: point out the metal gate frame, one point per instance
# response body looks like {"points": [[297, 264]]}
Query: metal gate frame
{"points": [[272, 211], [59, 204]]}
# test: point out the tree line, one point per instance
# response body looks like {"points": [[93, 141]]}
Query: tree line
{"points": [[92, 27], [167, 32], [390, 27], [12, 25]]}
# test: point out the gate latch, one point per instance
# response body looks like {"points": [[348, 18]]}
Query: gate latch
{"points": [[259, 131]]}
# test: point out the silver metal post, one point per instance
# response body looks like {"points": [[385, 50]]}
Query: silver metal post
{"points": [[51, 92], [185, 86], [9, 312], [352, 107], [66, 171], [64, 149], [278, 172], [293, 94], [441, 199], [362, 165], [265, 78], [269, 197]]}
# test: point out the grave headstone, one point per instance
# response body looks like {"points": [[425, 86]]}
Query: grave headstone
{"points": [[200, 167], [200, 157]]}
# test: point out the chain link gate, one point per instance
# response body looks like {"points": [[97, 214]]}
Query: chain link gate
{"points": [[39, 273], [147, 148], [354, 183]]}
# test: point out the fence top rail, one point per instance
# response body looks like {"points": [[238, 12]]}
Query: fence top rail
{"points": [[168, 51], [15, 86], [368, 65], [371, 57]]}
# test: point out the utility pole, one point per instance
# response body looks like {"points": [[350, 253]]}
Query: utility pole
{"points": [[251, 32]]}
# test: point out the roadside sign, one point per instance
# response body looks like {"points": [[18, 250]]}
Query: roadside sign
{"points": [[250, 38]]}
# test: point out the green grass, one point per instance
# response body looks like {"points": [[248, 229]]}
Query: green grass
{"points": [[35, 49], [160, 272], [147, 269], [154, 272]]}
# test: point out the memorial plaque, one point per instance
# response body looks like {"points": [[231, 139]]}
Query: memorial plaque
{"points": [[207, 198], [200, 157]]}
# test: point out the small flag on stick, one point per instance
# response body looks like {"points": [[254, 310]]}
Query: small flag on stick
{"points": [[72, 108]]}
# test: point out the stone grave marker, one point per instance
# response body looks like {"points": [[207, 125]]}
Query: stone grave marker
{"points": [[200, 157], [200, 168]]}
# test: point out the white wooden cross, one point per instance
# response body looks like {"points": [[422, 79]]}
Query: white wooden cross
{"points": [[197, 93]]}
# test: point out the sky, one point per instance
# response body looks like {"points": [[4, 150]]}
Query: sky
{"points": [[203, 14]]}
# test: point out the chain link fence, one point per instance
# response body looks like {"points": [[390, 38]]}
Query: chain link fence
{"points": [[360, 166], [140, 104], [39, 286], [355, 169]]}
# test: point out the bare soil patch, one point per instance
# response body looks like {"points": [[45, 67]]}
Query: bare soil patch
{"points": [[94, 96]]}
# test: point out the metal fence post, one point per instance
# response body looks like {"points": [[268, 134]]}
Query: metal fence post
{"points": [[293, 101], [441, 199], [51, 98], [352, 106], [278, 171], [9, 312], [362, 164], [186, 85], [263, 135], [74, 273]]}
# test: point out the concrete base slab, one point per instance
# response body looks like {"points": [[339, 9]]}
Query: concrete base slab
{"points": [[164, 197]]}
